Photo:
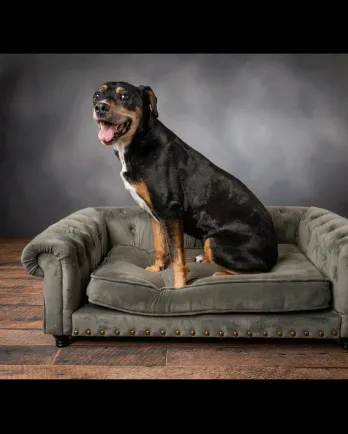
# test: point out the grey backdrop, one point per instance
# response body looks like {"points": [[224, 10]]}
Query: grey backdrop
{"points": [[277, 122]]}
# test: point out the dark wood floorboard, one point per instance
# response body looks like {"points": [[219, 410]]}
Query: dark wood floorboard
{"points": [[27, 353]]}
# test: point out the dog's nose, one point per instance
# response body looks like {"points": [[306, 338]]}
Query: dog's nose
{"points": [[102, 108]]}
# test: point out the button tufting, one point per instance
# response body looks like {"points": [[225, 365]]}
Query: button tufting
{"points": [[76, 332], [221, 333], [235, 333], [147, 332], [279, 333], [132, 332], [102, 332], [207, 333], [192, 333], [178, 332], [117, 332], [249, 334], [163, 332], [88, 332]]}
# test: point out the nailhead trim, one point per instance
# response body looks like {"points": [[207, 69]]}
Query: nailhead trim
{"points": [[207, 332]]}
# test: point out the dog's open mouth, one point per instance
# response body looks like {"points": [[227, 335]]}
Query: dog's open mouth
{"points": [[109, 131]]}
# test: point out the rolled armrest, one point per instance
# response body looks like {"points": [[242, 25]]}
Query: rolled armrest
{"points": [[65, 254], [323, 238]]}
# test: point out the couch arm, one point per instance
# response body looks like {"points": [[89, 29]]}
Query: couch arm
{"points": [[323, 238], [65, 254]]}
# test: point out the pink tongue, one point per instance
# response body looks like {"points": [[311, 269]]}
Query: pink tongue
{"points": [[107, 133]]}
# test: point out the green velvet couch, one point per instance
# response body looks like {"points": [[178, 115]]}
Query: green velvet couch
{"points": [[95, 283]]}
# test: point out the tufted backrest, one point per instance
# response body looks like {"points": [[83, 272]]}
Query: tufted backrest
{"points": [[132, 225], [286, 221]]}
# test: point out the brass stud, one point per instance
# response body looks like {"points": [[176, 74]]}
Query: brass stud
{"points": [[76, 332], [221, 333], [235, 334], [102, 332], [132, 332], [193, 333], [163, 332], [249, 334], [88, 332], [147, 332], [265, 333], [279, 333], [117, 332], [321, 334], [306, 333], [293, 333], [207, 333], [334, 332], [178, 332]]}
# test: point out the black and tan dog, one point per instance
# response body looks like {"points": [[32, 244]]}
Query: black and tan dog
{"points": [[182, 190]]}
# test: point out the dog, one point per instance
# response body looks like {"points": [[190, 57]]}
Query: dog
{"points": [[182, 190]]}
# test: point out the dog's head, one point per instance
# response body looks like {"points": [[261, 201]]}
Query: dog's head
{"points": [[121, 110]]}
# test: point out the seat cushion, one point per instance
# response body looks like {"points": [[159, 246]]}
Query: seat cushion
{"points": [[122, 283]]}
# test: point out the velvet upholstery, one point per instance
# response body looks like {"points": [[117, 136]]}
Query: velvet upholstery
{"points": [[68, 255], [323, 237], [101, 321], [122, 283]]}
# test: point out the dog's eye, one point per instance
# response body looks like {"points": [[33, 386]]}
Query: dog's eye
{"points": [[124, 97], [96, 96]]}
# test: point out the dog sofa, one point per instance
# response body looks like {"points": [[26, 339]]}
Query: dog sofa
{"points": [[95, 282]]}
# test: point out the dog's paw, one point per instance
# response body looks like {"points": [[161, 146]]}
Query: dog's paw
{"points": [[154, 268], [199, 258]]}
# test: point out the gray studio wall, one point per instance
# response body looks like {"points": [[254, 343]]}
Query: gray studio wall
{"points": [[277, 122]]}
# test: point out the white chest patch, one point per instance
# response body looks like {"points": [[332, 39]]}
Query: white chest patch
{"points": [[139, 200]]}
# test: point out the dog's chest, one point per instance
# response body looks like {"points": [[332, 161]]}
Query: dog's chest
{"points": [[139, 200]]}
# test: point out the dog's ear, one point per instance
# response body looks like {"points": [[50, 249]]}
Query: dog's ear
{"points": [[149, 94]]}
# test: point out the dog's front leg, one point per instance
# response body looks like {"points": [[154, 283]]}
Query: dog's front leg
{"points": [[175, 234], [160, 245]]}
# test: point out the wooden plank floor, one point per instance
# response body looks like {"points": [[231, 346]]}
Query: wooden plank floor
{"points": [[27, 353]]}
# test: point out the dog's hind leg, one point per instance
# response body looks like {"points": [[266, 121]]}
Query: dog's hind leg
{"points": [[232, 260]]}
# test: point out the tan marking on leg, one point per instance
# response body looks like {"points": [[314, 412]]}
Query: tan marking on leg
{"points": [[225, 272], [161, 247], [176, 239], [209, 259], [142, 191], [208, 253]]}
